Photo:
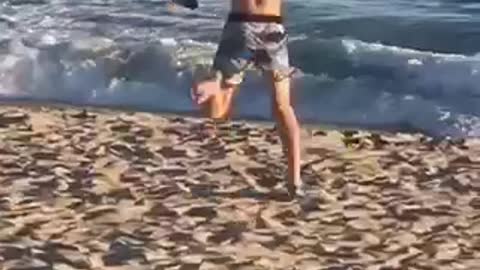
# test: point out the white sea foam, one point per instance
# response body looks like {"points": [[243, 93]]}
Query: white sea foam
{"points": [[130, 54]]}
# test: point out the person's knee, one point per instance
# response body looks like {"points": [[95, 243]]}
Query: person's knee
{"points": [[282, 108], [285, 113]]}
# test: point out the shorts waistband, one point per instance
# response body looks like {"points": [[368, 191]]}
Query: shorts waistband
{"points": [[242, 17]]}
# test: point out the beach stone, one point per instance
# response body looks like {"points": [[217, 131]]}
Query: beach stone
{"points": [[70, 255], [131, 177], [423, 225], [26, 264], [371, 239], [99, 211], [120, 127], [192, 259], [12, 252], [363, 224], [62, 266], [474, 230], [12, 117], [160, 210], [120, 252], [173, 171], [405, 238], [212, 266], [154, 199], [475, 203], [171, 152], [447, 252], [400, 259]]}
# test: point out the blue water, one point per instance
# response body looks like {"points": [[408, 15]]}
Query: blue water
{"points": [[387, 64]]}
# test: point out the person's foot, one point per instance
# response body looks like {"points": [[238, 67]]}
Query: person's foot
{"points": [[203, 91], [296, 190]]}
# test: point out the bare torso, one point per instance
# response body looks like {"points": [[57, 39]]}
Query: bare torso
{"points": [[260, 7]]}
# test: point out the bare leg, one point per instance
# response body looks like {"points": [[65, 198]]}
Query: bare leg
{"points": [[288, 128], [215, 100]]}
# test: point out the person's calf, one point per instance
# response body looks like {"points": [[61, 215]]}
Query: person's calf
{"points": [[204, 91], [218, 108], [289, 131]]}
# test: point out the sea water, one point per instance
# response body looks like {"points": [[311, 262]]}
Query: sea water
{"points": [[384, 64]]}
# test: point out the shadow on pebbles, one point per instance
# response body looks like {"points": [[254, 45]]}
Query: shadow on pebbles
{"points": [[105, 189]]}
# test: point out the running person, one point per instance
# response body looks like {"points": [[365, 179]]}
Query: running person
{"points": [[254, 36]]}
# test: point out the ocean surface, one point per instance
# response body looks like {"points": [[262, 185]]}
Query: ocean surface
{"points": [[401, 65]]}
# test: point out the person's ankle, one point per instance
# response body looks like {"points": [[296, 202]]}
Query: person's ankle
{"points": [[296, 189]]}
